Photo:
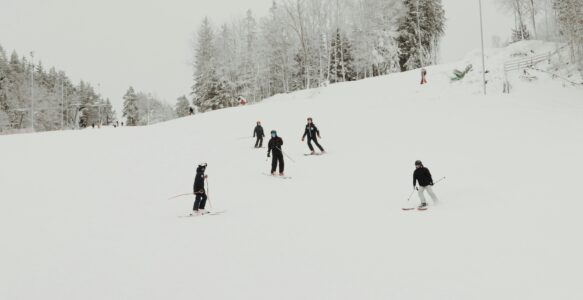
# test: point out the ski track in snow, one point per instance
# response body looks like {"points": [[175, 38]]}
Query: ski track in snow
{"points": [[85, 214]]}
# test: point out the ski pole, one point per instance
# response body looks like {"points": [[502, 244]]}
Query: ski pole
{"points": [[410, 195], [208, 193], [179, 196], [287, 155], [440, 179]]}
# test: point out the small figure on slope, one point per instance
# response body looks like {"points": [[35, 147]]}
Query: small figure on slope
{"points": [[274, 146], [313, 134], [423, 176], [423, 76], [199, 191], [260, 135]]}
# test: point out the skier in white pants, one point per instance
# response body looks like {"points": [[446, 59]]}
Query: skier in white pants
{"points": [[423, 176]]}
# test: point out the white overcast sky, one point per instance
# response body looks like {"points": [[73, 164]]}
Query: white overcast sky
{"points": [[147, 44]]}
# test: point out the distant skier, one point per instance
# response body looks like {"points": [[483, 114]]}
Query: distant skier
{"points": [[242, 101], [274, 146], [423, 76], [199, 191], [258, 132], [313, 134], [423, 176], [191, 110]]}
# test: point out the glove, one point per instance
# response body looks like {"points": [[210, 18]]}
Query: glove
{"points": [[415, 188], [268, 155], [302, 139]]}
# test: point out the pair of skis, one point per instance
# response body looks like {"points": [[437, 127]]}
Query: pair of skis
{"points": [[216, 213], [277, 176], [314, 154], [415, 208]]}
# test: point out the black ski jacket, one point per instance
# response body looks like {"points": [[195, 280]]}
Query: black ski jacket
{"points": [[423, 176], [274, 145], [199, 182], [258, 131], [311, 131]]}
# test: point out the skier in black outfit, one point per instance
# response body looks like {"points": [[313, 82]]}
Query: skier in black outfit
{"points": [[423, 176], [199, 191], [313, 134], [260, 135], [274, 146]]}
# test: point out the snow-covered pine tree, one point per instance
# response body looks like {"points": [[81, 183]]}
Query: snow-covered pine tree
{"points": [[217, 94], [306, 59], [130, 108], [341, 68], [520, 34], [182, 107], [433, 25], [226, 55], [205, 88], [570, 19], [88, 110], [278, 51], [420, 30], [108, 113], [47, 97], [411, 50], [152, 110], [4, 69], [248, 84]]}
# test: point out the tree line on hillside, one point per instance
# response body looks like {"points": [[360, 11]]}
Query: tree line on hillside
{"points": [[27, 87], [301, 44]]}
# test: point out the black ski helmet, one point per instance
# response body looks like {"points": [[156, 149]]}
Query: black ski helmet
{"points": [[201, 168], [418, 163]]}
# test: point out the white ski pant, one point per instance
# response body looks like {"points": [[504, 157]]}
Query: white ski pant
{"points": [[429, 190]]}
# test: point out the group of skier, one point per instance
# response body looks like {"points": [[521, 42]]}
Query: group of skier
{"points": [[274, 146], [422, 179]]}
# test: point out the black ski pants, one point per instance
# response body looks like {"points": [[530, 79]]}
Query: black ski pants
{"points": [[200, 201], [277, 157], [315, 139], [259, 142]]}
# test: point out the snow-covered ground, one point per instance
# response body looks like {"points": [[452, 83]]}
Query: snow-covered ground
{"points": [[85, 214]]}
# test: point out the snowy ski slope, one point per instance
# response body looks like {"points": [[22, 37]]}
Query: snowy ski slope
{"points": [[85, 215]]}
